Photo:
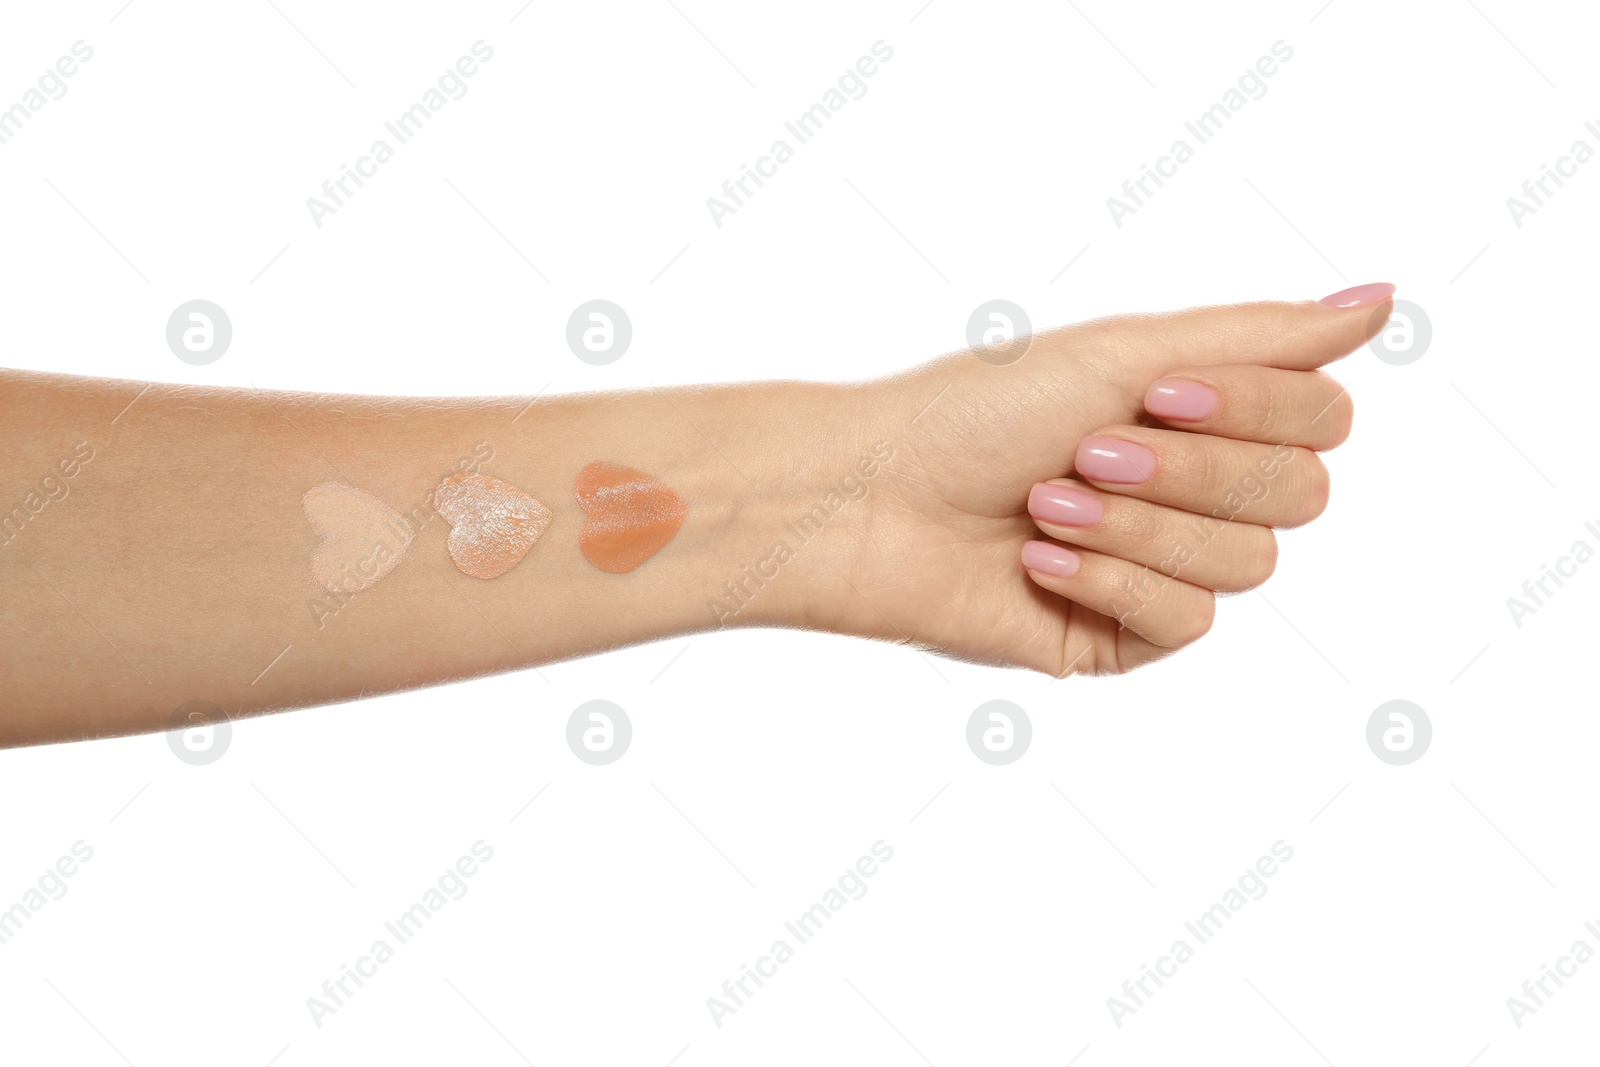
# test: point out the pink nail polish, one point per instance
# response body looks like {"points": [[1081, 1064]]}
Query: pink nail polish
{"points": [[1106, 459], [1180, 399], [1359, 296], [1064, 505], [1046, 558]]}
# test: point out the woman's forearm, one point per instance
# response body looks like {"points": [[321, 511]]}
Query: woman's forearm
{"points": [[160, 551], [1069, 503]]}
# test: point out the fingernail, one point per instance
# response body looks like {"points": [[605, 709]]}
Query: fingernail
{"points": [[1105, 459], [1064, 505], [1046, 558], [1359, 296], [1179, 398]]}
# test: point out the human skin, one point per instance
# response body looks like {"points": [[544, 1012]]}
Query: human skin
{"points": [[175, 564]]}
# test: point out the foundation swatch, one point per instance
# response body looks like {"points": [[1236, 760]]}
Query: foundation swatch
{"points": [[629, 516], [492, 523], [360, 538]]}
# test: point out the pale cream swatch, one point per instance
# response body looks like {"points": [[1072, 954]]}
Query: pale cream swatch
{"points": [[360, 538]]}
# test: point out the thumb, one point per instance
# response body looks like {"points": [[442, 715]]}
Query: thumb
{"points": [[1290, 336]]}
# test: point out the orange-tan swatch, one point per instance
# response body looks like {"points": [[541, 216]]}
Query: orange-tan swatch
{"points": [[360, 539], [492, 523], [629, 516]]}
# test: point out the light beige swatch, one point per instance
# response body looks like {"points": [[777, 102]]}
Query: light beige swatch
{"points": [[492, 523]]}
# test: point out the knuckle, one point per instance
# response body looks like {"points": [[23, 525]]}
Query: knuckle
{"points": [[1247, 560], [1200, 462], [1306, 493], [1342, 416], [1259, 559], [1330, 425], [1264, 562], [1265, 416], [1137, 529], [1198, 617], [1315, 491]]}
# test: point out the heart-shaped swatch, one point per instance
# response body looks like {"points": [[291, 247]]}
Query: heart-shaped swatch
{"points": [[492, 523], [628, 515], [360, 538]]}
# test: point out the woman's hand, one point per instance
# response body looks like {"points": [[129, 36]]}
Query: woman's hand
{"points": [[1041, 514]]}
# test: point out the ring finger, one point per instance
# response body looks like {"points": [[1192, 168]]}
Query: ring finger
{"points": [[1202, 550]]}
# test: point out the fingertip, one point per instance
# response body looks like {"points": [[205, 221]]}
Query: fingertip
{"points": [[1341, 414]]}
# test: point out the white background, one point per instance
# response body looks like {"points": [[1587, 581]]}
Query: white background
{"points": [[763, 764]]}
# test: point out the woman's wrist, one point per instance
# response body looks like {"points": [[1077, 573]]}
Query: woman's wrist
{"points": [[781, 497]]}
